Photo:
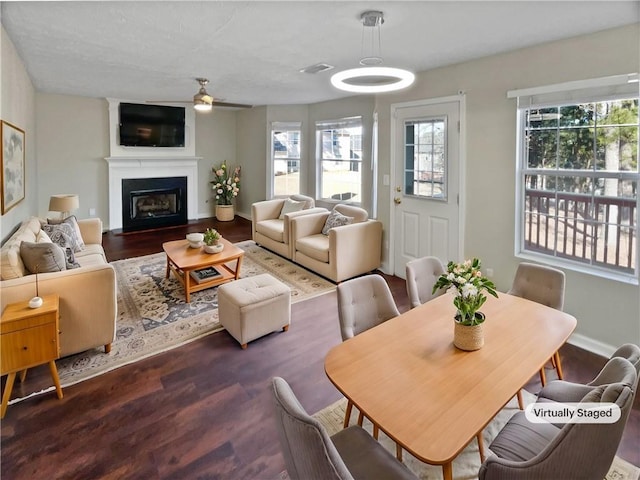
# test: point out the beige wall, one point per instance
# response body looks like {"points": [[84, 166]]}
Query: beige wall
{"points": [[73, 141], [17, 106], [251, 154], [215, 143], [608, 311]]}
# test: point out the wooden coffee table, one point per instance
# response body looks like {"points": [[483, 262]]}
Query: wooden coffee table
{"points": [[182, 260]]}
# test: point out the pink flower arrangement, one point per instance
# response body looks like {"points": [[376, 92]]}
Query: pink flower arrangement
{"points": [[225, 184]]}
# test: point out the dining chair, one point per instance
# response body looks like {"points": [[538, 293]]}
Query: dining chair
{"points": [[311, 454], [525, 450], [422, 274], [363, 303], [544, 285], [563, 391]]}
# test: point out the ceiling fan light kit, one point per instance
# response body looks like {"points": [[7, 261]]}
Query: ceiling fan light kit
{"points": [[202, 101], [370, 78]]}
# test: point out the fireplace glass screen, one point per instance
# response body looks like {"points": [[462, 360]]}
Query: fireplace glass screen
{"points": [[151, 205]]}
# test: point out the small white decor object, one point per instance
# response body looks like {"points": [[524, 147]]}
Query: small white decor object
{"points": [[35, 302], [195, 239]]}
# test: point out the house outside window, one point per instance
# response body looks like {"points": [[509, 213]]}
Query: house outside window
{"points": [[339, 153], [578, 182], [285, 157]]}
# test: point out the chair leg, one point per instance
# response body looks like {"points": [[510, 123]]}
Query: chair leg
{"points": [[520, 401], [480, 446], [558, 365], [347, 414], [543, 377]]}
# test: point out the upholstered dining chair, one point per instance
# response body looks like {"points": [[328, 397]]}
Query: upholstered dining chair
{"points": [[563, 391], [363, 303], [422, 274], [310, 454], [544, 285], [525, 450]]}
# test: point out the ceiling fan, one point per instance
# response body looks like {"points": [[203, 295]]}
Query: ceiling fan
{"points": [[203, 102]]}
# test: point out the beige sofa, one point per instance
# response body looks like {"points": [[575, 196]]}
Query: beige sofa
{"points": [[272, 232], [347, 251], [88, 304]]}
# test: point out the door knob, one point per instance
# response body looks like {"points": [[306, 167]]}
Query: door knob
{"points": [[398, 189], [397, 200]]}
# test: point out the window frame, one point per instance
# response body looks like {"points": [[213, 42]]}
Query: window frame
{"points": [[556, 96], [281, 126], [346, 122]]}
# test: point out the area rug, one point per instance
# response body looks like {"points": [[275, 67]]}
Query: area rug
{"points": [[153, 316], [467, 464]]}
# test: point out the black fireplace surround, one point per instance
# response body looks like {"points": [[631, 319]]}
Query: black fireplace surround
{"points": [[149, 203]]}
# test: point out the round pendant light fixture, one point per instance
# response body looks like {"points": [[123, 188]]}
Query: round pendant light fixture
{"points": [[371, 77]]}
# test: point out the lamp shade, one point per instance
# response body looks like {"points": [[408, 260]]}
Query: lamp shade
{"points": [[65, 202]]}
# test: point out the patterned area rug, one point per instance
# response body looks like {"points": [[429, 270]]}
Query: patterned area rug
{"points": [[153, 316], [467, 464]]}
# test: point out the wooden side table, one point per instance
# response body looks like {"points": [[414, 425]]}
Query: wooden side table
{"points": [[29, 337]]}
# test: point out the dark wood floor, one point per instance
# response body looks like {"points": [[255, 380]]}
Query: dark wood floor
{"points": [[201, 411]]}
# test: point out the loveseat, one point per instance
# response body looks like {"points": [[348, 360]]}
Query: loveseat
{"points": [[271, 220], [88, 305], [342, 251]]}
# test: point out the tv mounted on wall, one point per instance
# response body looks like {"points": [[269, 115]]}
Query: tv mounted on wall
{"points": [[143, 125]]}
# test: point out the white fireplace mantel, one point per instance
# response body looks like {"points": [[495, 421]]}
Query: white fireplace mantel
{"points": [[121, 168]]}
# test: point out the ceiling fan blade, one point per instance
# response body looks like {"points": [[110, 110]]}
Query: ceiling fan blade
{"points": [[215, 103], [227, 104]]}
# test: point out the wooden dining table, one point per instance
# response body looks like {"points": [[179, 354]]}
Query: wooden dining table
{"points": [[430, 397]]}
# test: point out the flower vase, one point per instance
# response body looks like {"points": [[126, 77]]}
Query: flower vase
{"points": [[225, 213], [469, 337]]}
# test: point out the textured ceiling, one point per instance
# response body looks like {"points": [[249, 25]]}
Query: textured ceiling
{"points": [[252, 51]]}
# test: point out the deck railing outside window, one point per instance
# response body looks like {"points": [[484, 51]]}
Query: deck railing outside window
{"points": [[574, 226]]}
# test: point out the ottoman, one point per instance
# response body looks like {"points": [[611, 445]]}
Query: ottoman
{"points": [[252, 307]]}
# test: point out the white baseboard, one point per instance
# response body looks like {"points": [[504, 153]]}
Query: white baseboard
{"points": [[594, 346]]}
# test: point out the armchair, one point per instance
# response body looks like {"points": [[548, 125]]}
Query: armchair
{"points": [[273, 232], [345, 252]]}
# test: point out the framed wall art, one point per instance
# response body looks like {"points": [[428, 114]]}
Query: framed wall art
{"points": [[12, 173]]}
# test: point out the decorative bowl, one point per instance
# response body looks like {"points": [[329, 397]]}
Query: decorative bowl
{"points": [[214, 248], [195, 237], [195, 244]]}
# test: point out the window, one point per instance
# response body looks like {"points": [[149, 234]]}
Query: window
{"points": [[425, 166], [285, 158], [339, 145], [578, 181]]}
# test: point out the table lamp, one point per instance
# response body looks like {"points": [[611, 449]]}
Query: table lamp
{"points": [[64, 203]]}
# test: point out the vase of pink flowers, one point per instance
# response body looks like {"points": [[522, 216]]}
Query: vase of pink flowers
{"points": [[225, 186]]}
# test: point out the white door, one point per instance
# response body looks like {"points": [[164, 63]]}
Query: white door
{"points": [[426, 162]]}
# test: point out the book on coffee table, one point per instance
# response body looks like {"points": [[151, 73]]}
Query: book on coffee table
{"points": [[205, 274]]}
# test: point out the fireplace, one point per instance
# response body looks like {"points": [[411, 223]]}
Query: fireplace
{"points": [[153, 203]]}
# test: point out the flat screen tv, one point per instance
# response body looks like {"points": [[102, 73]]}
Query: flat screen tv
{"points": [[144, 125]]}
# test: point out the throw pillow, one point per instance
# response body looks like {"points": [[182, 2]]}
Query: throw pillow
{"points": [[290, 206], [42, 237], [73, 221], [70, 259], [42, 257], [63, 235], [335, 219]]}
